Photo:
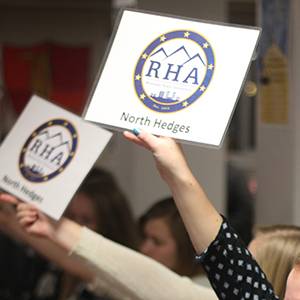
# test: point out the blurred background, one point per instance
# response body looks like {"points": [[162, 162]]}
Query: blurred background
{"points": [[54, 48]]}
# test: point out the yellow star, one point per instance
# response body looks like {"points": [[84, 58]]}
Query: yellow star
{"points": [[144, 56], [185, 104], [186, 34], [163, 38], [74, 136], [205, 45], [138, 77], [66, 123], [210, 67], [142, 96], [202, 88]]}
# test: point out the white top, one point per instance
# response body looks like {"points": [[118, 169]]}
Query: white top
{"points": [[128, 275]]}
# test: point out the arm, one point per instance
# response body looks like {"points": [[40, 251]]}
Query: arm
{"points": [[199, 215], [231, 269], [114, 269], [10, 226], [131, 275]]}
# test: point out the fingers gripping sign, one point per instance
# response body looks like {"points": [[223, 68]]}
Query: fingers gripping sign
{"points": [[7, 198], [167, 153], [29, 217]]}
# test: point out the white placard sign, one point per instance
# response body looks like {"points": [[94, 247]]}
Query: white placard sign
{"points": [[47, 154], [172, 76]]}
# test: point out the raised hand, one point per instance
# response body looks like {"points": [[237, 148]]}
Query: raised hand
{"points": [[168, 155], [34, 221], [201, 219], [29, 217], [8, 199]]}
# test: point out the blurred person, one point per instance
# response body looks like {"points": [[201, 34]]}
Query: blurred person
{"points": [[99, 205], [276, 248], [20, 267], [165, 239], [293, 286]]}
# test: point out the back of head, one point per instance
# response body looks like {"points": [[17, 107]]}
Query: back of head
{"points": [[293, 282], [278, 249], [115, 219], [167, 210]]}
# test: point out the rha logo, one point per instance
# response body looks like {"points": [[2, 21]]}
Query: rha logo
{"points": [[174, 71], [48, 150]]}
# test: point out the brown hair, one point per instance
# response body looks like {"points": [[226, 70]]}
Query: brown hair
{"points": [[115, 218], [277, 253], [297, 261], [166, 209]]}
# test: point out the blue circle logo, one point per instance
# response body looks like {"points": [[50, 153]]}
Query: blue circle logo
{"points": [[48, 150], [174, 71]]}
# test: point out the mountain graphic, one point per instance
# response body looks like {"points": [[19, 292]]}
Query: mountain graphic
{"points": [[195, 57], [59, 136], [160, 50], [181, 49]]}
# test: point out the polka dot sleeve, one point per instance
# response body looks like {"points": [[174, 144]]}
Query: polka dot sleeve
{"points": [[232, 271]]}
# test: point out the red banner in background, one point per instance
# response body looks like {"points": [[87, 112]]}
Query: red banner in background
{"points": [[57, 73]]}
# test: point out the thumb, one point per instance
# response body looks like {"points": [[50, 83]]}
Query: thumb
{"points": [[8, 198]]}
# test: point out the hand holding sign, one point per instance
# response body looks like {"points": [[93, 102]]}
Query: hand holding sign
{"points": [[43, 153], [172, 76]]}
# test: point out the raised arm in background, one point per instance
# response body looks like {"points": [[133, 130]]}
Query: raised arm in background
{"points": [[119, 271]]}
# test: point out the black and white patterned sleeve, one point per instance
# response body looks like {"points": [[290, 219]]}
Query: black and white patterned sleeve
{"points": [[231, 269]]}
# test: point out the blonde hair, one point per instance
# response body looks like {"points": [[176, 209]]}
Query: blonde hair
{"points": [[278, 251]]}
